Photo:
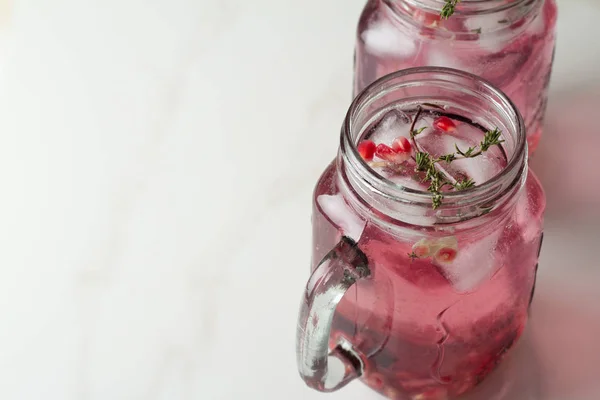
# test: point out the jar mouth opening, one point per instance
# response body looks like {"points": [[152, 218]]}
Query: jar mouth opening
{"points": [[471, 7], [487, 191]]}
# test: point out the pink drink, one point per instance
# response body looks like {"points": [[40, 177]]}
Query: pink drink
{"points": [[449, 289], [449, 331], [512, 47]]}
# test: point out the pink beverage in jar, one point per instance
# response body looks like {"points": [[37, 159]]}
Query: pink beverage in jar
{"points": [[421, 292], [508, 42]]}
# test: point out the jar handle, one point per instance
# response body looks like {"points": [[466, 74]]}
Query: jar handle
{"points": [[341, 268]]}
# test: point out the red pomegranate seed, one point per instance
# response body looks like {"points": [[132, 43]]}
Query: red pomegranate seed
{"points": [[401, 145], [445, 124], [421, 251], [385, 152], [376, 380], [422, 248], [446, 254], [426, 18], [366, 149]]}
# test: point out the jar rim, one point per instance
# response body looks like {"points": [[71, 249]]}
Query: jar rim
{"points": [[487, 191], [471, 7]]}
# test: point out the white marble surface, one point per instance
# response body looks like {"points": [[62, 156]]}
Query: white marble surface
{"points": [[157, 160]]}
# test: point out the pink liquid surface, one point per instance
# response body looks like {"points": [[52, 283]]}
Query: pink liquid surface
{"points": [[518, 62], [429, 330]]}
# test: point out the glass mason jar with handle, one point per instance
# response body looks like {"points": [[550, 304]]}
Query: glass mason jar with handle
{"points": [[421, 298], [508, 42]]}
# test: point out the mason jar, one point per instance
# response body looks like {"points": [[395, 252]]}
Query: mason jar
{"points": [[508, 42], [412, 297]]}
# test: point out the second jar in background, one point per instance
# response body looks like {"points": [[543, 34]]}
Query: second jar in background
{"points": [[508, 42]]}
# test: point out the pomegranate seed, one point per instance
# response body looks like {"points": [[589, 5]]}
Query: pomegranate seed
{"points": [[376, 380], [446, 255], [445, 124], [401, 145], [421, 251], [385, 152], [426, 18], [422, 248], [366, 149]]}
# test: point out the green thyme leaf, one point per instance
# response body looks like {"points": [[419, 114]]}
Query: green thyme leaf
{"points": [[465, 154], [423, 160], [449, 8], [491, 138], [418, 131], [426, 163], [447, 157], [464, 184]]}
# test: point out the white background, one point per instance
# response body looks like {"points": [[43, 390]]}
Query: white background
{"points": [[156, 166]]}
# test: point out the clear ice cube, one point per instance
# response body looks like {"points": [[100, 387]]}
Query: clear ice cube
{"points": [[488, 42], [438, 145], [445, 56], [530, 227], [474, 264], [481, 169], [485, 22], [392, 124], [382, 38], [340, 213]]}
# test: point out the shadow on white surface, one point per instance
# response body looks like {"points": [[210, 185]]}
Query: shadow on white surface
{"points": [[566, 158], [558, 357], [566, 312], [565, 329]]}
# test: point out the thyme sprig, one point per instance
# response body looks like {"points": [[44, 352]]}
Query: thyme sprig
{"points": [[428, 164], [491, 138], [449, 8]]}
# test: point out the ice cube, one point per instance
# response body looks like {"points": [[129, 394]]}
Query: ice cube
{"points": [[416, 218], [491, 44], [440, 144], [474, 264], [394, 123], [485, 22], [482, 23], [445, 56], [382, 38], [414, 215], [529, 224], [481, 169], [340, 213]]}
